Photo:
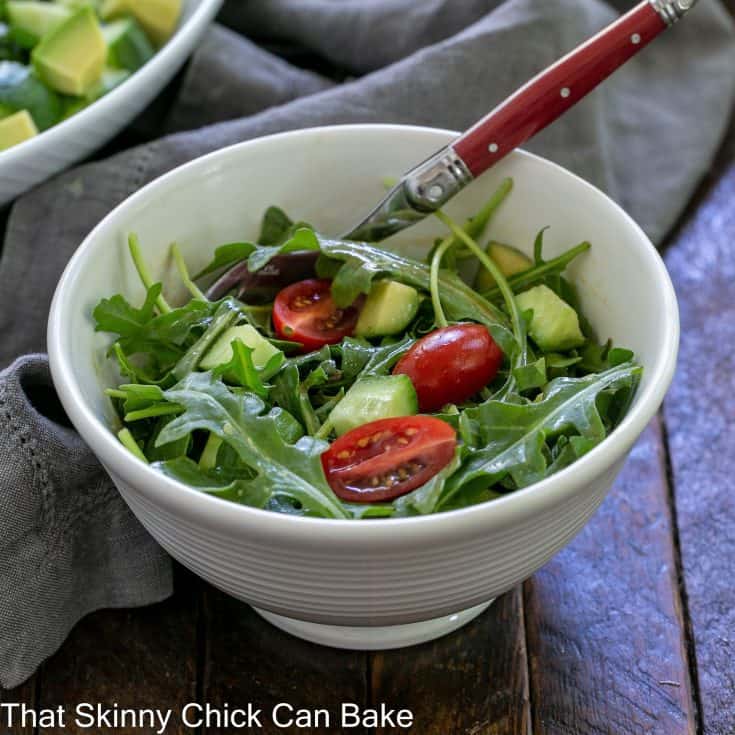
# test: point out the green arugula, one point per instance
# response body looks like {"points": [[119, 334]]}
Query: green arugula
{"points": [[289, 470], [510, 440]]}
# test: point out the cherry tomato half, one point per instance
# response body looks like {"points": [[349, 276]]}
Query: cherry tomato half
{"points": [[305, 312], [385, 459], [451, 364]]}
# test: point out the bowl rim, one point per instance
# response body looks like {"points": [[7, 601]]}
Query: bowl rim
{"points": [[232, 518], [109, 102]]}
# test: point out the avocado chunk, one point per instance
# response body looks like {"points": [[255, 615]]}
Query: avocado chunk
{"points": [[110, 79], [371, 399], [71, 58], [509, 261], [16, 128], [554, 325], [157, 17], [388, 309], [21, 90], [220, 353], [35, 19], [127, 45]]}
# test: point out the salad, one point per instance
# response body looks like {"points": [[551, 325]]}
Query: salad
{"points": [[337, 379], [59, 56]]}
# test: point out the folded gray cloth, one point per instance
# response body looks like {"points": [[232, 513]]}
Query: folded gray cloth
{"points": [[69, 545]]}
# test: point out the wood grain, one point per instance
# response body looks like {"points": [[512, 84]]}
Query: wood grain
{"points": [[472, 682], [24, 694], [700, 418], [605, 632], [248, 660], [143, 658]]}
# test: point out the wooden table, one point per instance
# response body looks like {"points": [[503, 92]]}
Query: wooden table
{"points": [[631, 629]]}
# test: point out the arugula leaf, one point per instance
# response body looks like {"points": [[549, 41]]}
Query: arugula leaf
{"points": [[227, 314], [509, 440], [242, 371], [211, 482], [302, 239], [288, 470], [460, 300], [116, 315], [425, 498], [361, 359], [225, 255], [530, 376]]}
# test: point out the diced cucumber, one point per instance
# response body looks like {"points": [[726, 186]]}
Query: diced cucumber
{"points": [[554, 325], [21, 90], [128, 46], [388, 309], [372, 399], [221, 351], [509, 261], [15, 129], [34, 18]]}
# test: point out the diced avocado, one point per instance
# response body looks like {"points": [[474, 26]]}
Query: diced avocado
{"points": [[76, 4], [71, 58], [110, 79], [34, 18], [376, 398], [157, 17], [554, 325], [220, 352], [509, 261], [16, 128], [127, 45], [388, 309], [21, 90]]}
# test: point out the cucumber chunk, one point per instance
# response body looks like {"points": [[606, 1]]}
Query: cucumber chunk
{"points": [[21, 90], [15, 129], [372, 399], [554, 325], [220, 352], [509, 261], [127, 45], [388, 309]]}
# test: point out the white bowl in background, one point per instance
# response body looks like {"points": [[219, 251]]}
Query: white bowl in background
{"points": [[381, 583], [39, 158]]}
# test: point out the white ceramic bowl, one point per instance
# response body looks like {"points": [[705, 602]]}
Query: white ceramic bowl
{"points": [[35, 160], [368, 584]]}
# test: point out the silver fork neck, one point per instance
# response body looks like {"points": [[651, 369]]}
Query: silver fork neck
{"points": [[672, 10]]}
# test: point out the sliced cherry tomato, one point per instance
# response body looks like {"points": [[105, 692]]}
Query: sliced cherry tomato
{"points": [[385, 459], [305, 312], [451, 364]]}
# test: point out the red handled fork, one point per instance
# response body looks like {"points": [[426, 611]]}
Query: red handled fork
{"points": [[545, 98]]}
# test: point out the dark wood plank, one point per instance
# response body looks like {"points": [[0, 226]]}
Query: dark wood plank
{"points": [[606, 638], [248, 660], [472, 682], [144, 658], [25, 694], [700, 418]]}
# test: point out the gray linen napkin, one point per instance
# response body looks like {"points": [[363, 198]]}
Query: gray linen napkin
{"points": [[68, 544]]}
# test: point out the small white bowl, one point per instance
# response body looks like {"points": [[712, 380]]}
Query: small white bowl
{"points": [[37, 159], [362, 584]]}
